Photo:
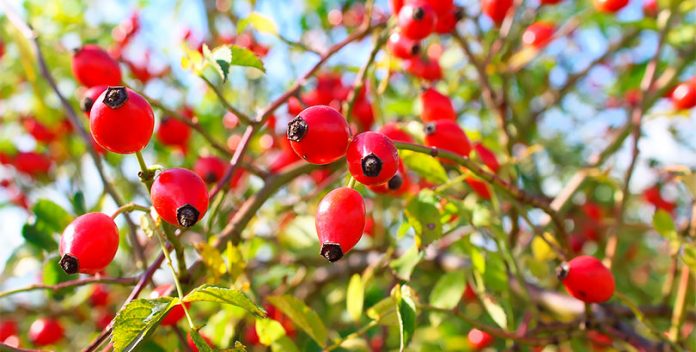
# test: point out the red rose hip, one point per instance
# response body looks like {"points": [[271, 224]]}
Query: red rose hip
{"points": [[538, 35], [340, 222], [90, 97], [180, 197], [210, 168], [436, 106], [684, 95], [417, 20], [497, 10], [88, 244], [609, 6], [587, 279], [45, 331], [372, 158], [121, 121], [402, 47], [92, 66], [319, 134], [479, 339], [447, 135]]}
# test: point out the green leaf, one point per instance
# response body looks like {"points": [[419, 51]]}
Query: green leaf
{"points": [[137, 320], [448, 290], [199, 341], [664, 225], [269, 331], [245, 57], [260, 22], [218, 294], [406, 313], [496, 312], [384, 312], [304, 317], [39, 236], [284, 344], [688, 256], [355, 297], [425, 166], [423, 215], [403, 267], [78, 203], [53, 215]]}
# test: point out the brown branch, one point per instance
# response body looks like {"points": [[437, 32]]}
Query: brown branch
{"points": [[72, 283]]}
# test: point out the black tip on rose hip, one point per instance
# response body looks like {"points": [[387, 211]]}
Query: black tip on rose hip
{"points": [[430, 128], [210, 177], [331, 251], [562, 271], [459, 13], [415, 49], [115, 97], [418, 13], [297, 128], [86, 104], [187, 215], [69, 264], [371, 165], [395, 182]]}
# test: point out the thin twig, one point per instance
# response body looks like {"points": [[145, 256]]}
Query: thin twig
{"points": [[72, 283]]}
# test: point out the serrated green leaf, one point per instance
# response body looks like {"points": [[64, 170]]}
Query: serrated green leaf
{"points": [[269, 331], [218, 294], [53, 215], [137, 320], [260, 22], [355, 297], [448, 290], [423, 215], [404, 265], [304, 317], [406, 314], [200, 342], [424, 165]]}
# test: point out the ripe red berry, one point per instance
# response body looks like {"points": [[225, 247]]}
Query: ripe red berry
{"points": [[121, 121], [174, 133], [487, 157], [441, 6], [45, 331], [363, 113], [538, 34], [8, 328], [396, 6], [427, 69], [176, 313], [609, 6], [436, 106], [90, 97], [395, 133], [550, 2], [32, 163], [587, 279], [650, 8], [319, 134], [402, 47], [447, 135], [40, 132], [210, 168], [180, 197], [92, 66], [417, 20], [100, 296], [88, 244], [340, 222], [479, 187], [479, 339], [497, 10], [372, 158], [684, 95], [447, 21]]}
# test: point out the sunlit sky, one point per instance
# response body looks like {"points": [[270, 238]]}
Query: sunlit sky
{"points": [[163, 22]]}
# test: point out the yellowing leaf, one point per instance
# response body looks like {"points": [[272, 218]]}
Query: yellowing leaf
{"points": [[260, 22], [355, 297], [212, 259]]}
